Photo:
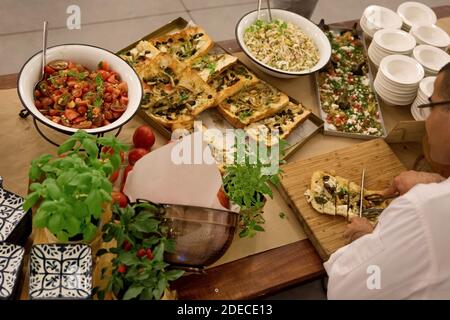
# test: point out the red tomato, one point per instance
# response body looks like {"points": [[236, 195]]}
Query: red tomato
{"points": [[49, 70], [149, 254], [104, 65], [119, 198], [114, 176], [135, 154], [144, 137], [71, 114], [125, 175], [223, 199], [141, 252], [127, 246], [122, 268]]}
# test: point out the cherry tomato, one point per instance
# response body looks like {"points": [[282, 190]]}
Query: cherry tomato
{"points": [[144, 137], [119, 198], [127, 246], [223, 199], [122, 268], [141, 253], [149, 254], [135, 154], [125, 175], [114, 176], [49, 70]]}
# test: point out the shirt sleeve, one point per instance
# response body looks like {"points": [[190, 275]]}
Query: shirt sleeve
{"points": [[390, 263]]}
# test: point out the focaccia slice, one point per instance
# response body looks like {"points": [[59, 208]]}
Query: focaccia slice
{"points": [[322, 194], [354, 199], [284, 121], [143, 51], [212, 64], [342, 197], [160, 76], [185, 45], [252, 103], [231, 81], [172, 111], [201, 96]]}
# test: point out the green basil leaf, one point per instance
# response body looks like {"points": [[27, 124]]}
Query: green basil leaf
{"points": [[132, 292], [173, 275], [67, 146], [40, 219], [258, 228], [90, 147], [72, 225], [116, 160], [55, 223], [89, 232], [30, 200]]}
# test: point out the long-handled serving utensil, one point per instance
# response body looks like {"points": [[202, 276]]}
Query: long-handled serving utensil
{"points": [[44, 55]]}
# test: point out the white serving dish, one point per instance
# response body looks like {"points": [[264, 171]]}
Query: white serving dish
{"points": [[309, 28], [89, 56], [431, 58], [375, 18], [402, 69], [431, 35], [394, 41], [416, 14]]}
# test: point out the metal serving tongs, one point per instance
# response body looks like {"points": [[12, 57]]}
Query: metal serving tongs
{"points": [[268, 8]]}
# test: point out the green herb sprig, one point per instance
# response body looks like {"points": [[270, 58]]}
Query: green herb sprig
{"points": [[141, 227]]}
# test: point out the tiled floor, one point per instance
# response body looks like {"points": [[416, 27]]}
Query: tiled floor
{"points": [[113, 24]]}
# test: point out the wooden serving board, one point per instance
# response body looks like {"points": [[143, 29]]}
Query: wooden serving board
{"points": [[324, 231]]}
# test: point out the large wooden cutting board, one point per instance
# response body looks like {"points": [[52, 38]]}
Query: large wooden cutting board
{"points": [[326, 232]]}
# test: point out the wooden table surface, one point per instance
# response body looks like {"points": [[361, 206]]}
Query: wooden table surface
{"points": [[262, 274]]}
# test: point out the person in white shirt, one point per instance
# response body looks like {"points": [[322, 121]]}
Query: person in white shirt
{"points": [[407, 255]]}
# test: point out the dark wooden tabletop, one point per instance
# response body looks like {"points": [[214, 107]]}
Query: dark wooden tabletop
{"points": [[258, 275]]}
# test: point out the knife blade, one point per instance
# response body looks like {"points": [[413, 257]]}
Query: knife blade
{"points": [[361, 195]]}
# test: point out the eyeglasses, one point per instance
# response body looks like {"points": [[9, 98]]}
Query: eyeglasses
{"points": [[432, 104]]}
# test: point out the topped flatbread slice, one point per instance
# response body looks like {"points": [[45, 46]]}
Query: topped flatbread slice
{"points": [[210, 65], [252, 103], [185, 45]]}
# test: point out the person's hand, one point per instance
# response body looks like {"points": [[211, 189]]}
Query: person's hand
{"points": [[357, 228], [405, 181]]}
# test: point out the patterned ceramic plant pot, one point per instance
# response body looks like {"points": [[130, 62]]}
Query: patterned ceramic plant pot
{"points": [[11, 262], [60, 271], [15, 224]]}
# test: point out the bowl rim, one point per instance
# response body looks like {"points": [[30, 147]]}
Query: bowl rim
{"points": [[387, 60], [282, 72], [441, 42], [383, 10], [409, 43], [423, 47], [69, 130], [422, 6]]}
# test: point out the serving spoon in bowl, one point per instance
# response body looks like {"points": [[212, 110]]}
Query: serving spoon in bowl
{"points": [[44, 57], [25, 113]]}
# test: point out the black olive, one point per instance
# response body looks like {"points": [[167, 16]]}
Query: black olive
{"points": [[181, 39], [147, 51], [229, 100], [128, 53], [157, 44], [176, 81], [170, 40], [191, 102], [210, 96], [326, 178]]}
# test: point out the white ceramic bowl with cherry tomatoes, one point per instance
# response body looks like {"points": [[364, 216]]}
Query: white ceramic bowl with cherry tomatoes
{"points": [[89, 57]]}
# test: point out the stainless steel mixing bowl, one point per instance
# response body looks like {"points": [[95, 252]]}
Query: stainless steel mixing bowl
{"points": [[202, 235]]}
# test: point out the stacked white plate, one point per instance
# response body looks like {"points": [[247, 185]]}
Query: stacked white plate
{"points": [[426, 88], [431, 35], [375, 18], [387, 42], [415, 14], [431, 58], [398, 79]]}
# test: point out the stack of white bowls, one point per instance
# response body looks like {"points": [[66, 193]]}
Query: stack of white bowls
{"points": [[388, 42], [431, 58], [431, 35], [375, 18], [398, 79], [426, 88], [415, 14]]}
